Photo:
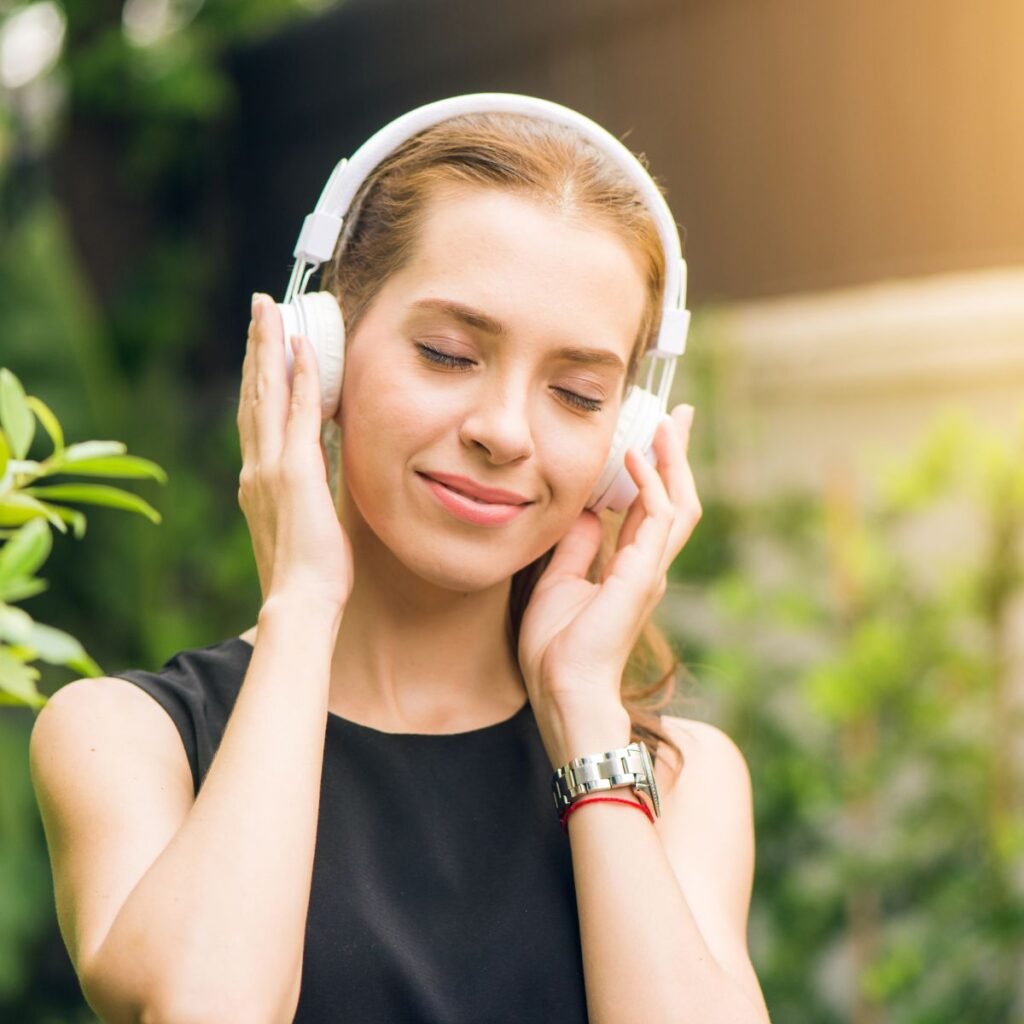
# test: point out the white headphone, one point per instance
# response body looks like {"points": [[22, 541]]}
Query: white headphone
{"points": [[317, 315]]}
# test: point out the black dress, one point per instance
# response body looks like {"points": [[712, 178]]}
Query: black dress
{"points": [[442, 885]]}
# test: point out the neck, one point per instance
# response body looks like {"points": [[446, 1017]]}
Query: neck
{"points": [[414, 657]]}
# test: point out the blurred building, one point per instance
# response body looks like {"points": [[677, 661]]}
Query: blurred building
{"points": [[848, 177]]}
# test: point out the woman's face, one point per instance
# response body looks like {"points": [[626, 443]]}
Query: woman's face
{"points": [[494, 359]]}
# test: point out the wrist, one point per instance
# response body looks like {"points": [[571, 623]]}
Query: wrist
{"points": [[571, 732], [619, 795], [624, 772], [295, 610]]}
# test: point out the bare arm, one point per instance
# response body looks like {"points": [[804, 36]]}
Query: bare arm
{"points": [[683, 902], [231, 890], [181, 911], [213, 929]]}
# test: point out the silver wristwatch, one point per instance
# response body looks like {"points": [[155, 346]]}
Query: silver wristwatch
{"points": [[625, 766]]}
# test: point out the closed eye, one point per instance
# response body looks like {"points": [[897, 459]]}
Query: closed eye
{"points": [[580, 401], [440, 358], [434, 355]]}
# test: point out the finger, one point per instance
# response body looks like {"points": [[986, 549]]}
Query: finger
{"points": [[304, 415], [576, 551], [671, 443], [639, 562], [630, 524], [270, 405], [245, 391], [640, 509]]}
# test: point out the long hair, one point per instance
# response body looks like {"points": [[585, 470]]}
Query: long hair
{"points": [[552, 164]]}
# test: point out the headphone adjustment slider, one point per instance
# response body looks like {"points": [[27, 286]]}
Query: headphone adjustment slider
{"points": [[675, 325], [318, 237]]}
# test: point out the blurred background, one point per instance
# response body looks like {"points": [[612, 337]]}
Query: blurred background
{"points": [[850, 609]]}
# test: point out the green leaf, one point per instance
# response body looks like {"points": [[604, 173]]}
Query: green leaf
{"points": [[15, 625], [92, 450], [29, 466], [52, 645], [71, 516], [50, 422], [5, 454], [118, 465], [16, 509], [18, 682], [15, 415], [20, 587], [97, 494], [25, 551]]}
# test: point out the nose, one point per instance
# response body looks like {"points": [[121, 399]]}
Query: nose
{"points": [[499, 423]]}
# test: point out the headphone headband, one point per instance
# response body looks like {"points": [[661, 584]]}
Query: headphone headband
{"points": [[321, 228]]}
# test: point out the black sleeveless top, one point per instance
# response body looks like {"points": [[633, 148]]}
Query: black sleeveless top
{"points": [[442, 885]]}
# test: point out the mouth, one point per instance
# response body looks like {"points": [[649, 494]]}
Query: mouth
{"points": [[477, 492], [469, 505]]}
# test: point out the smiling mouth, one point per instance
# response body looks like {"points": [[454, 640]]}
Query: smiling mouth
{"points": [[472, 497], [494, 496], [471, 508], [469, 497]]}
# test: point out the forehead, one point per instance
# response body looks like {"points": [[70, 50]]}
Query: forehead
{"points": [[544, 273]]}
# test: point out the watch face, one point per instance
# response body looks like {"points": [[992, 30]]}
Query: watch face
{"points": [[649, 770]]}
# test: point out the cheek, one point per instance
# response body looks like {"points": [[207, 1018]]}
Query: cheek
{"points": [[370, 431], [574, 468], [381, 410]]}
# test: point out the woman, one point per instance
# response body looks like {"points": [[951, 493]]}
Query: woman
{"points": [[345, 813]]}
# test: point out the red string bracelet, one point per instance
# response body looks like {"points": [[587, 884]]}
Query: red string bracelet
{"points": [[638, 804]]}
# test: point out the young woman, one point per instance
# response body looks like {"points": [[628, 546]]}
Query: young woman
{"points": [[345, 814]]}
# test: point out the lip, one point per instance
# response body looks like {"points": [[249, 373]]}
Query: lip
{"points": [[492, 495], [480, 512]]}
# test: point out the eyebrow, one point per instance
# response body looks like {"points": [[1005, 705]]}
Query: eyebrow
{"points": [[489, 325]]}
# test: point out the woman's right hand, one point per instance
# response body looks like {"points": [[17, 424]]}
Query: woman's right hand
{"points": [[300, 546]]}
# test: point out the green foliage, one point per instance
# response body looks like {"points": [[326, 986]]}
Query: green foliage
{"points": [[26, 878], [868, 688], [22, 639], [114, 364]]}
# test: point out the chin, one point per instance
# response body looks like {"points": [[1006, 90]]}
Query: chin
{"points": [[462, 568]]}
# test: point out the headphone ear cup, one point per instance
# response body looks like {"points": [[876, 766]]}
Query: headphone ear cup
{"points": [[637, 422], [317, 317]]}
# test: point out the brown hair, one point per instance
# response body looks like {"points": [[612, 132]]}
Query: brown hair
{"points": [[552, 164]]}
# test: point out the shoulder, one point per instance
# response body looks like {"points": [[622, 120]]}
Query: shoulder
{"points": [[92, 700], [713, 788], [95, 733], [81, 711], [96, 730], [710, 756]]}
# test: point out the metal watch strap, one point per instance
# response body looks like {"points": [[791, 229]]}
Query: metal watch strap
{"points": [[625, 766]]}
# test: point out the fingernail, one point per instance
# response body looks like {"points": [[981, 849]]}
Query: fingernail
{"points": [[256, 306]]}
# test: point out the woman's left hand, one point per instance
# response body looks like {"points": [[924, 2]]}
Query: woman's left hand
{"points": [[576, 636]]}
